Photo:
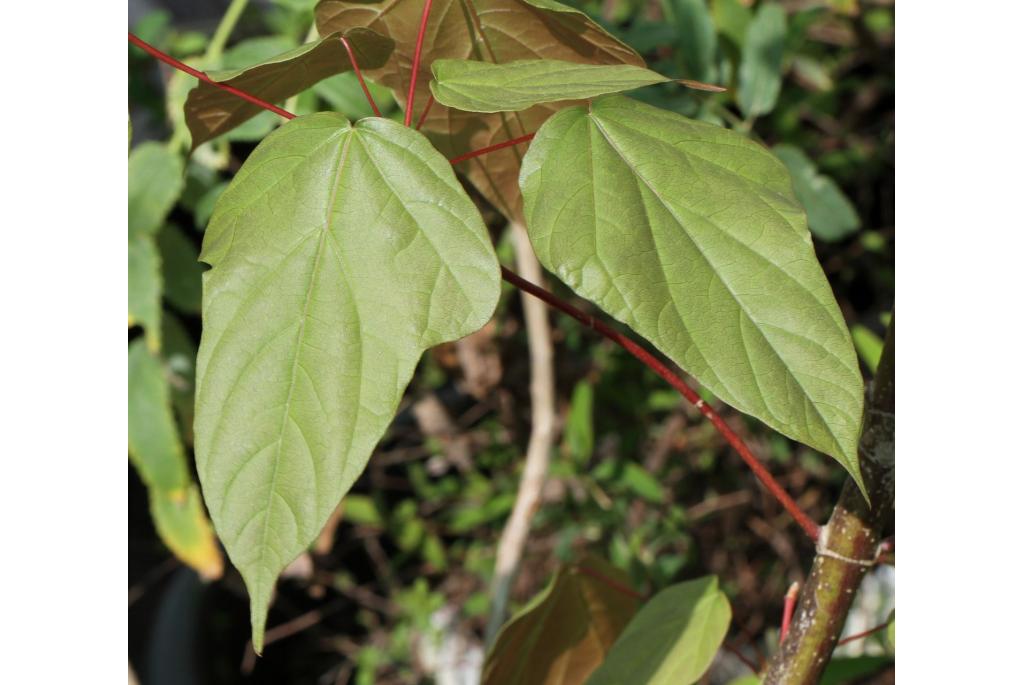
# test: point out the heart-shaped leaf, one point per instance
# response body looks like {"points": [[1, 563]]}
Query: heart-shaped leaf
{"points": [[475, 86], [340, 252], [495, 31], [564, 633], [690, 234], [210, 111], [672, 639]]}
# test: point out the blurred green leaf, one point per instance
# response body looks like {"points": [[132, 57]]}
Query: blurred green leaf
{"points": [[845, 671], [153, 443], [155, 180], [579, 426], [696, 40], [182, 272], [868, 344], [361, 509], [732, 18], [890, 632], [672, 639], [144, 286], [344, 94], [179, 353], [760, 76], [563, 634], [182, 524], [642, 483], [830, 215], [204, 208]]}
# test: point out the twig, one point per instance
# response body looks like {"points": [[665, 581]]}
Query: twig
{"points": [[359, 75], [416, 61], [426, 110], [181, 66], [542, 437], [491, 148], [860, 636]]}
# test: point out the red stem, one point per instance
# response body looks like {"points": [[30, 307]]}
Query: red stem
{"points": [[788, 607], [416, 61], [167, 59], [492, 148], [866, 633], [423, 117], [810, 527], [359, 75], [615, 585]]}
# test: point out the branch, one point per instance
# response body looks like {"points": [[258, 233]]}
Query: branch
{"points": [[359, 75], [542, 437], [760, 472], [849, 544]]}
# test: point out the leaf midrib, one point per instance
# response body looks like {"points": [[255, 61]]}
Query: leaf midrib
{"points": [[342, 158]]}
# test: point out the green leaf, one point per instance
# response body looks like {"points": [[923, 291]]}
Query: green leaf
{"points": [[155, 180], [340, 253], [492, 30], [563, 634], [182, 524], [241, 56], [179, 352], [697, 40], [486, 87], [144, 286], [579, 426], [890, 632], [844, 671], [868, 344], [210, 111], [673, 638], [153, 443], [732, 18], [344, 94], [690, 234], [830, 215], [642, 483], [157, 454], [760, 78], [182, 273], [361, 509]]}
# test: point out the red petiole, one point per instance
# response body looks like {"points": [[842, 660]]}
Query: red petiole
{"points": [[760, 472]]}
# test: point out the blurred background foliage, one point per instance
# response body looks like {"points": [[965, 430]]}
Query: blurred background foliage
{"points": [[394, 590]]}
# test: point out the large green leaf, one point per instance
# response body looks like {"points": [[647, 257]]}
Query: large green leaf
{"points": [[340, 252], [474, 86], [830, 215], [564, 633], [673, 638], [495, 31], [760, 78], [210, 111], [690, 234]]}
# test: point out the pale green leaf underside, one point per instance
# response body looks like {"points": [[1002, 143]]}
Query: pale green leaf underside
{"points": [[690, 234], [672, 639], [210, 111], [340, 253], [474, 86]]}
